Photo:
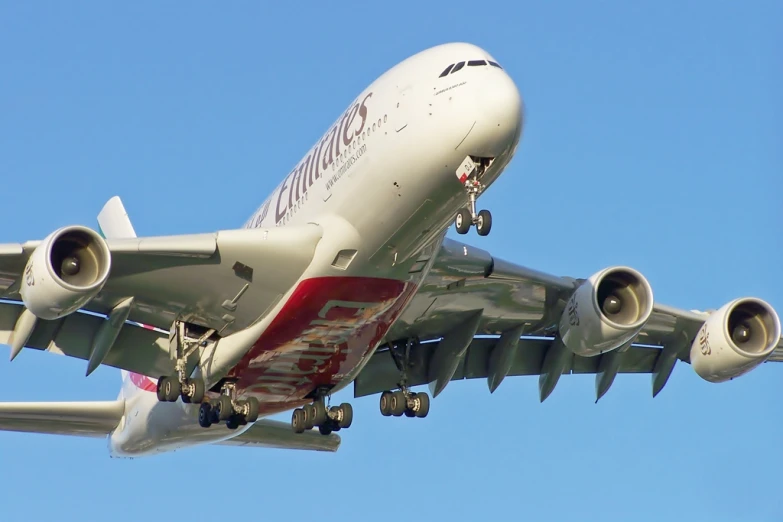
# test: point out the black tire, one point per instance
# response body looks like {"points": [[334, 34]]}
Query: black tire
{"points": [[232, 423], [199, 389], [385, 403], [320, 413], [484, 223], [171, 389], [463, 221], [205, 415], [309, 411], [424, 405], [346, 419], [325, 429], [252, 409], [409, 412], [224, 408], [398, 403], [161, 395], [298, 421]]}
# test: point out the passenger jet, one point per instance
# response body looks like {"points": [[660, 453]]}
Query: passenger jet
{"points": [[343, 276]]}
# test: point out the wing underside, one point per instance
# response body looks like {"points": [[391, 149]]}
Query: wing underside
{"points": [[382, 372]]}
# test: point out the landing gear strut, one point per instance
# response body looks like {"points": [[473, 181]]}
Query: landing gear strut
{"points": [[325, 418], [227, 408], [404, 401], [467, 217], [181, 347]]}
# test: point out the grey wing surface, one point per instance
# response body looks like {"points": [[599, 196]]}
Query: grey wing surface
{"points": [[477, 316], [220, 282]]}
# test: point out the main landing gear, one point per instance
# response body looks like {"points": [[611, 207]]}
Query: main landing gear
{"points": [[404, 401], [228, 409], [467, 217], [318, 414], [181, 347]]}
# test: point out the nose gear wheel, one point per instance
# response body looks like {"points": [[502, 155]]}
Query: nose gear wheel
{"points": [[467, 217]]}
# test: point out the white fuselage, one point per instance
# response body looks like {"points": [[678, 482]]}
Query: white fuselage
{"points": [[382, 184]]}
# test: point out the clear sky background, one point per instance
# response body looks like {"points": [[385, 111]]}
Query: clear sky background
{"points": [[653, 139]]}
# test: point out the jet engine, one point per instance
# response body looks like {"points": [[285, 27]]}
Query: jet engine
{"points": [[735, 339], [65, 272], [606, 311]]}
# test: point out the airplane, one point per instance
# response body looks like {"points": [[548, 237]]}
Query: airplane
{"points": [[344, 276]]}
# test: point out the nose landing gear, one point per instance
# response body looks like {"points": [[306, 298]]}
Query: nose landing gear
{"points": [[469, 174]]}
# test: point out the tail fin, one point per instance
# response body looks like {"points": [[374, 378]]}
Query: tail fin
{"points": [[114, 223]]}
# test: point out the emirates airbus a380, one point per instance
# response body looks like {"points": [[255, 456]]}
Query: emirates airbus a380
{"points": [[342, 277]]}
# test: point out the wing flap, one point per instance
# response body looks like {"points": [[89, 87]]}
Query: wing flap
{"points": [[85, 419], [136, 349], [381, 373], [267, 433]]}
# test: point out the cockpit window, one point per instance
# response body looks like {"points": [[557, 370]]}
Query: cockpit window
{"points": [[451, 69], [446, 71]]}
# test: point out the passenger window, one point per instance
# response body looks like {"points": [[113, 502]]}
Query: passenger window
{"points": [[446, 71], [474, 63], [457, 67]]}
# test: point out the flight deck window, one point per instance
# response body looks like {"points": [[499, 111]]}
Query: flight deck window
{"points": [[457, 67], [474, 63], [495, 64], [446, 71]]}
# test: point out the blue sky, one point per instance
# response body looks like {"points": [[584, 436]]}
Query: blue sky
{"points": [[653, 139]]}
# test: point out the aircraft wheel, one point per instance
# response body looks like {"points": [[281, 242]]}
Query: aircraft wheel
{"points": [[232, 423], [423, 406], [298, 421], [345, 415], [253, 408], [398, 403], [309, 411], [325, 429], [160, 392], [171, 389], [319, 413], [224, 408], [484, 223], [385, 404], [205, 415], [193, 391], [462, 221]]}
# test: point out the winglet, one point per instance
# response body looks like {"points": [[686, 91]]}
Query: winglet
{"points": [[114, 222]]}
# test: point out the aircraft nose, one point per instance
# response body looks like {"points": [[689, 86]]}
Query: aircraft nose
{"points": [[498, 117]]}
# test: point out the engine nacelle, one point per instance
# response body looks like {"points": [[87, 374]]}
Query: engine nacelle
{"points": [[606, 311], [65, 272], [735, 339]]}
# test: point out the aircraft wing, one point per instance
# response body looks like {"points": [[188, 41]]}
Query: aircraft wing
{"points": [[468, 294], [85, 419], [267, 433], [216, 280], [221, 282]]}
